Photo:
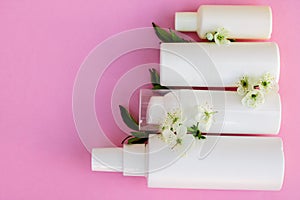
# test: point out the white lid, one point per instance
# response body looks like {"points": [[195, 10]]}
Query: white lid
{"points": [[130, 159], [186, 21], [107, 159]]}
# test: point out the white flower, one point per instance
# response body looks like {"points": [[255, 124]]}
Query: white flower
{"points": [[172, 129], [267, 83], [221, 36], [244, 85], [253, 98], [204, 117], [209, 36], [172, 138], [254, 89], [172, 119]]}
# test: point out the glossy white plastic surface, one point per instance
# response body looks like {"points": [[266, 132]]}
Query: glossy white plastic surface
{"points": [[242, 22], [107, 159], [231, 117], [245, 163], [134, 160], [218, 162], [130, 159], [212, 65]]}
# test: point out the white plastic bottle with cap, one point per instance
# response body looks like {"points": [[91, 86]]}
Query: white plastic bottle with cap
{"points": [[218, 162], [241, 22], [231, 115]]}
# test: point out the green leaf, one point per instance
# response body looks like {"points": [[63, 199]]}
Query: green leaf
{"points": [[159, 87], [190, 129], [138, 137], [166, 36], [155, 80], [163, 35], [128, 119], [129, 136], [151, 132], [140, 134], [137, 140], [202, 137], [176, 38], [194, 130], [132, 140]]}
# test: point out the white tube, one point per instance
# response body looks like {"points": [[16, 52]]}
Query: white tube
{"points": [[226, 162], [211, 65], [231, 117], [244, 163], [242, 22]]}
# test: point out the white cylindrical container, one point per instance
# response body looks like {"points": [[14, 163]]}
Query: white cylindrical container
{"points": [[244, 163], [241, 22], [226, 162], [211, 65], [231, 115]]}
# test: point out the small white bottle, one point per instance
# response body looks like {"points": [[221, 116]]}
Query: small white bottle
{"points": [[241, 22]]}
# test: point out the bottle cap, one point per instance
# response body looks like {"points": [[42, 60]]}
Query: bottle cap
{"points": [[186, 21], [130, 159]]}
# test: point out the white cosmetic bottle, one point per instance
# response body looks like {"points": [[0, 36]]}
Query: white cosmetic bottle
{"points": [[226, 162], [242, 22], [231, 117], [206, 64]]}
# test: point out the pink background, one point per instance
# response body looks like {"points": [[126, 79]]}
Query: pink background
{"points": [[42, 46]]}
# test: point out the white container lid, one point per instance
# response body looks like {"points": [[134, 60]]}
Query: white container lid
{"points": [[186, 21]]}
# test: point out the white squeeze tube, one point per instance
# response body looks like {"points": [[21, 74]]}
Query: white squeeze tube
{"points": [[241, 22], [231, 162], [209, 65]]}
